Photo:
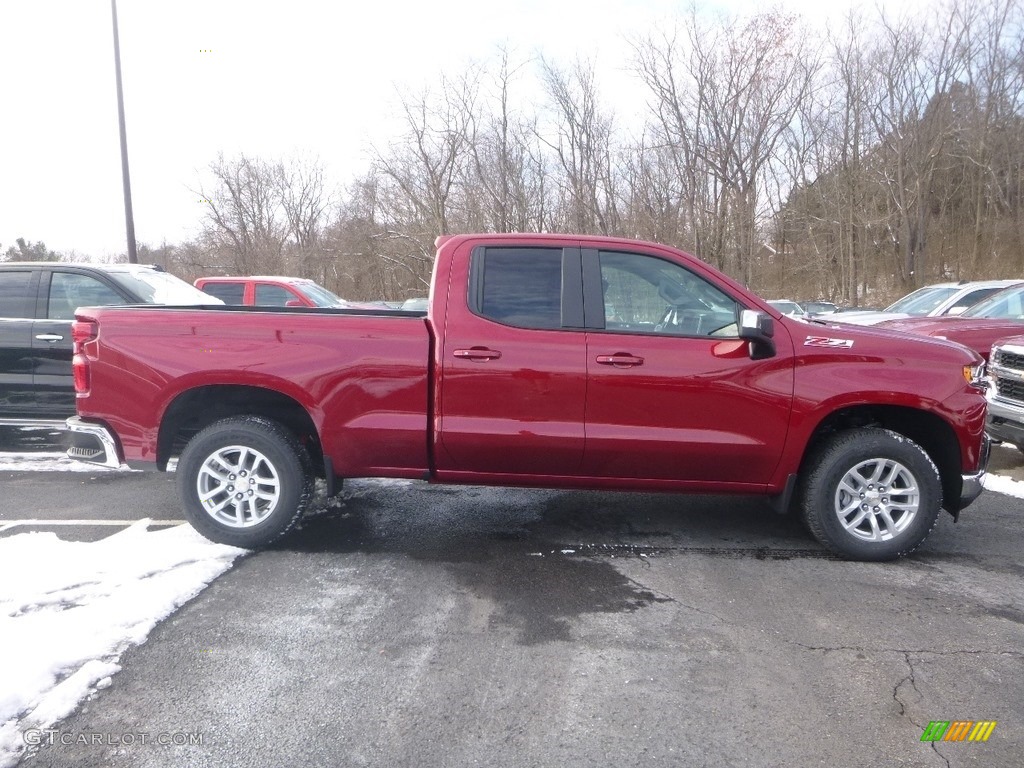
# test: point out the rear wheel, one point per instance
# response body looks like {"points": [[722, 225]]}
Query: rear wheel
{"points": [[244, 481], [871, 494]]}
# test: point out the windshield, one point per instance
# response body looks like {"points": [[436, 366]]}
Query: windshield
{"points": [[320, 295], [155, 287], [1005, 305], [923, 300], [786, 307], [819, 307]]}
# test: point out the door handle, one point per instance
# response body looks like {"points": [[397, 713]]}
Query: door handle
{"points": [[620, 360], [51, 337], [479, 354]]}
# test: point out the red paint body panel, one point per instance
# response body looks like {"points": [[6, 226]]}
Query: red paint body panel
{"points": [[520, 413], [708, 413], [361, 378], [882, 368], [466, 399]]}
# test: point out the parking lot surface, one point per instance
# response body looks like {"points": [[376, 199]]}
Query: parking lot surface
{"points": [[419, 625]]}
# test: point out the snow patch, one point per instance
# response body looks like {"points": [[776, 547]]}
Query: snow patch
{"points": [[1003, 484], [69, 609], [47, 462]]}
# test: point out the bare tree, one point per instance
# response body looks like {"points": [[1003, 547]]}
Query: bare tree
{"points": [[583, 148], [425, 164], [507, 179], [245, 224], [724, 97]]}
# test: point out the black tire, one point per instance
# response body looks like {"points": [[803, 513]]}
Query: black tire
{"points": [[255, 476], [870, 494]]}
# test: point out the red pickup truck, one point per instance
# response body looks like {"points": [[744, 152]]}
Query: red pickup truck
{"points": [[542, 360]]}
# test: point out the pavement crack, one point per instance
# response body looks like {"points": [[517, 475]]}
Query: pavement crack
{"points": [[909, 678], [677, 601], [898, 695], [906, 651]]}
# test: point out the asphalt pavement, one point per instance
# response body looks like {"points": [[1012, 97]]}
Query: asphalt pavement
{"points": [[423, 625]]}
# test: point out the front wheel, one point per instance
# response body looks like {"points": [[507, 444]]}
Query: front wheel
{"points": [[871, 494], [244, 481]]}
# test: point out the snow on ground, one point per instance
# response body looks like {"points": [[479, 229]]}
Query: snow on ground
{"points": [[46, 462], [69, 609], [1004, 484]]}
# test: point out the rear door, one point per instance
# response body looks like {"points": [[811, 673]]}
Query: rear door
{"points": [[513, 365], [17, 310], [672, 392], [63, 291]]}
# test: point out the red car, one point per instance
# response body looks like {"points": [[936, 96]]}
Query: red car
{"points": [[269, 291], [998, 316]]}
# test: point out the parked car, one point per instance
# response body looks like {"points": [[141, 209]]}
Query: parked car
{"points": [[931, 301], [37, 304], [415, 305], [817, 308], [998, 316], [564, 361], [270, 291], [787, 307], [1006, 391]]}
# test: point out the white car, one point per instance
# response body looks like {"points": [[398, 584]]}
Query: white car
{"points": [[930, 301], [787, 307]]}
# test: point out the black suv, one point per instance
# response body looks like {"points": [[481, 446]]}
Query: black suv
{"points": [[37, 304]]}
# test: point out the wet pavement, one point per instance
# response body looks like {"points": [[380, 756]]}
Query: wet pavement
{"points": [[409, 624]]}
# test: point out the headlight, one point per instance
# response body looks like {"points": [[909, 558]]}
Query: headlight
{"points": [[975, 375]]}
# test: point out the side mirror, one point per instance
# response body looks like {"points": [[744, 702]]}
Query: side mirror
{"points": [[294, 303], [758, 329]]}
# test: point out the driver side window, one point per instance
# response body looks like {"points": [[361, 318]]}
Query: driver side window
{"points": [[645, 294]]}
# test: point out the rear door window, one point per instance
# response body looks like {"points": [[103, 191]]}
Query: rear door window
{"points": [[519, 286], [14, 298]]}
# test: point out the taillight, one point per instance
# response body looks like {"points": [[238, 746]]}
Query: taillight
{"points": [[82, 332], [80, 369]]}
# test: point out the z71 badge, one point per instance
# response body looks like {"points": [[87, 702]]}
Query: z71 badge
{"points": [[825, 341]]}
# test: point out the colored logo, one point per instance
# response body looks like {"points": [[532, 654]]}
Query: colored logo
{"points": [[958, 730], [825, 341]]}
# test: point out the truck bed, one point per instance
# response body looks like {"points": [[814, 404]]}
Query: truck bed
{"points": [[361, 375]]}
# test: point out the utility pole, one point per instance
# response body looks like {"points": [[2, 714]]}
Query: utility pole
{"points": [[129, 218]]}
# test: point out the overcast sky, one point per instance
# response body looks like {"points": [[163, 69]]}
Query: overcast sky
{"points": [[268, 78]]}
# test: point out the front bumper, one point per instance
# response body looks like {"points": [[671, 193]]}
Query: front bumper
{"points": [[91, 442], [1005, 421], [972, 484]]}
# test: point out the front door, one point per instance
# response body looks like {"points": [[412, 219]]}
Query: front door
{"points": [[672, 391]]}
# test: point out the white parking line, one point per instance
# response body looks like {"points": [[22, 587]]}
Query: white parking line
{"points": [[122, 523]]}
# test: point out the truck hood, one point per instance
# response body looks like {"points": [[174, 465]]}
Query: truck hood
{"points": [[842, 338]]}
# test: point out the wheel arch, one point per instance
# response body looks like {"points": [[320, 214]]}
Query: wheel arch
{"points": [[193, 410], [931, 432]]}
